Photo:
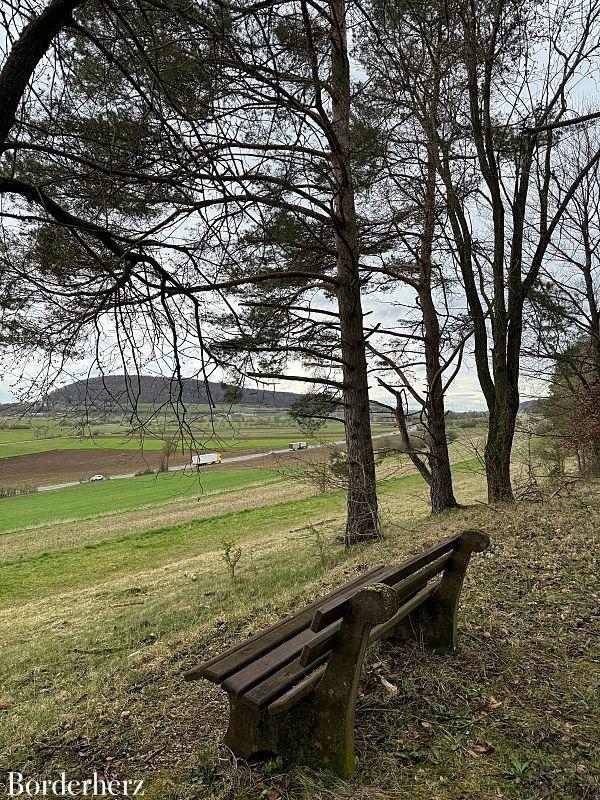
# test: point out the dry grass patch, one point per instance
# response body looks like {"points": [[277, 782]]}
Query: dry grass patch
{"points": [[62, 536]]}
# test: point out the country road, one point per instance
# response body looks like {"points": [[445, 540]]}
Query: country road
{"points": [[232, 460]]}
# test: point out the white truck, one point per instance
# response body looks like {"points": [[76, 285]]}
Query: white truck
{"points": [[204, 459], [298, 446]]}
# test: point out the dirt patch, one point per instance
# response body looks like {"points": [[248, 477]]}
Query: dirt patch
{"points": [[59, 466]]}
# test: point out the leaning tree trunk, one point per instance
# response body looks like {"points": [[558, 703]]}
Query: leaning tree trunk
{"points": [[441, 490], [440, 484], [362, 521], [26, 52]]}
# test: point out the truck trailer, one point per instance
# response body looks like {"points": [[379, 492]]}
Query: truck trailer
{"points": [[204, 459]]}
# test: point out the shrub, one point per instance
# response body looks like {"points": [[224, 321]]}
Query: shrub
{"points": [[15, 491]]}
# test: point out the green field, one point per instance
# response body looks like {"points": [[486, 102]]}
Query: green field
{"points": [[17, 442], [93, 499]]}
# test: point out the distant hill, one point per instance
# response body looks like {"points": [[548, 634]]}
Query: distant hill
{"points": [[119, 391], [531, 406]]}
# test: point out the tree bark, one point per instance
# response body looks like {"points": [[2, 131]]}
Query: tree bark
{"points": [[362, 521], [498, 450], [440, 485], [32, 44]]}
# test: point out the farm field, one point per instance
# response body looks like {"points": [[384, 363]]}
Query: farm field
{"points": [[61, 466], [94, 499], [29, 461], [113, 608], [251, 441]]}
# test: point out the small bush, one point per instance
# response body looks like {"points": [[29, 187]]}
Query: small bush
{"points": [[231, 556], [15, 491], [145, 471]]}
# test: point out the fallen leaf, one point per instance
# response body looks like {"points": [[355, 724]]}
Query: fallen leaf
{"points": [[387, 685]]}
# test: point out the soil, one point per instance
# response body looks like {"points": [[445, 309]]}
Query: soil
{"points": [[60, 466]]}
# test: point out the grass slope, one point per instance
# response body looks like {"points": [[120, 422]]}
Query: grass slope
{"points": [[93, 499], [91, 674]]}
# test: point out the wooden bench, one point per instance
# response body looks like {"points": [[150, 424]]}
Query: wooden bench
{"points": [[292, 687]]}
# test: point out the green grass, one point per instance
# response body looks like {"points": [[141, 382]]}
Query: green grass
{"points": [[92, 499], [77, 568], [61, 570], [94, 639], [225, 444], [91, 671]]}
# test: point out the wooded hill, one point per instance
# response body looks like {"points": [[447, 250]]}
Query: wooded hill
{"points": [[120, 391]]}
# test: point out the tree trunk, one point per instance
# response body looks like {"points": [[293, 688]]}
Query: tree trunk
{"points": [[441, 490], [440, 486], [498, 449], [32, 44], [362, 522]]}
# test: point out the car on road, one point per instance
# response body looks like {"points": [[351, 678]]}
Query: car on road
{"points": [[96, 478]]}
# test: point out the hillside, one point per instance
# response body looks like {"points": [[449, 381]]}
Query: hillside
{"points": [[122, 392], [112, 608]]}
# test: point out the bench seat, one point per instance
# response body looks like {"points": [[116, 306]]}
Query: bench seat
{"points": [[292, 687]]}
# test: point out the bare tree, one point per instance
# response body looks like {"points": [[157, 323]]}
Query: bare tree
{"points": [[562, 344], [504, 217], [413, 89]]}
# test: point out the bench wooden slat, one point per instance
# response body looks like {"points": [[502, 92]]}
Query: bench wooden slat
{"points": [[405, 589], [220, 667], [242, 680], [315, 652], [257, 671], [309, 682], [271, 688], [298, 691], [334, 609]]}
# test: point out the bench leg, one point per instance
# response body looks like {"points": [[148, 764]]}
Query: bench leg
{"points": [[434, 623], [335, 696], [242, 736], [319, 729]]}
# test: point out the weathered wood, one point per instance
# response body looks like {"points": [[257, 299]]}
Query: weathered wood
{"points": [[298, 691], [218, 668], [333, 609], [253, 674], [381, 631], [273, 686], [292, 690], [318, 728], [434, 622], [325, 640]]}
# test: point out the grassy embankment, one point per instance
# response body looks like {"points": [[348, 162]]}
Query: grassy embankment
{"points": [[94, 499], [110, 611]]}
